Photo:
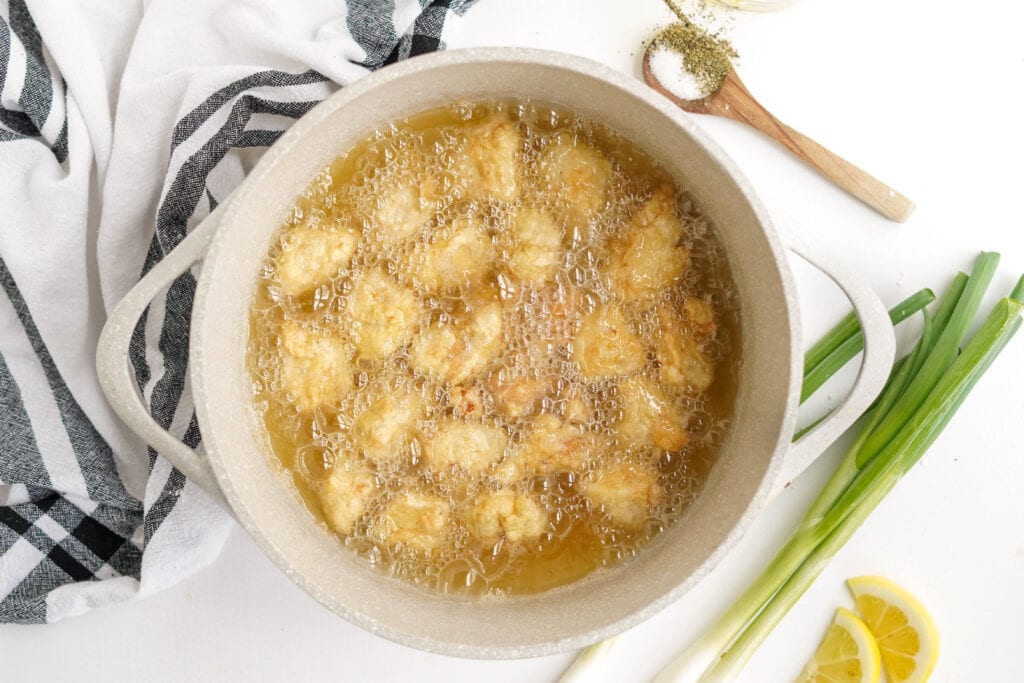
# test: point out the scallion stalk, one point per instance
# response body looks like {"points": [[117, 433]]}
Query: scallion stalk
{"points": [[847, 468], [939, 357], [876, 480], [1018, 291], [846, 340], [588, 661]]}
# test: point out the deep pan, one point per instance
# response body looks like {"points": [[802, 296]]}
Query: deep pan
{"points": [[234, 240]]}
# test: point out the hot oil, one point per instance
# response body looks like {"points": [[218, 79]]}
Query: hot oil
{"points": [[539, 320]]}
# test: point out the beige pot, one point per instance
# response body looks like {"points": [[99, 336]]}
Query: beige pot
{"points": [[756, 458]]}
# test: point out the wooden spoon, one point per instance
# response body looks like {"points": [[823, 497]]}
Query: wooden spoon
{"points": [[732, 100]]}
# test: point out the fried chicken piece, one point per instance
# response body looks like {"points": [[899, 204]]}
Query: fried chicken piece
{"points": [[579, 172], [627, 492], [311, 256], [383, 315], [648, 258], [534, 245], [315, 365], [649, 418], [489, 165], [604, 345], [505, 513], [418, 521], [460, 348], [346, 494], [467, 447]]}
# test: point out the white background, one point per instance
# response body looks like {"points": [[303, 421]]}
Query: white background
{"points": [[926, 94]]}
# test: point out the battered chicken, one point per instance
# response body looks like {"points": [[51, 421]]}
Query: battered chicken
{"points": [[533, 243], [551, 446], [403, 207], [576, 409], [579, 173], [627, 492], [515, 516], [466, 400], [604, 345], [683, 361], [467, 446], [489, 165], [418, 521], [310, 256], [648, 417], [315, 365], [460, 256], [700, 316], [648, 258], [516, 393], [383, 315], [460, 348], [384, 430], [346, 494]]}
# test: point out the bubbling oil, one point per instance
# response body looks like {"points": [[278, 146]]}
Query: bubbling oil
{"points": [[455, 348]]}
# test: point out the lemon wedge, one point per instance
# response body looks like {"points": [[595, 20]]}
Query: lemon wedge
{"points": [[847, 654], [903, 629]]}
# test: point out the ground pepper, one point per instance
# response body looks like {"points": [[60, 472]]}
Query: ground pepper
{"points": [[706, 56]]}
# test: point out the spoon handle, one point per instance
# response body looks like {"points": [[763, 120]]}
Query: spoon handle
{"points": [[735, 101], [862, 185]]}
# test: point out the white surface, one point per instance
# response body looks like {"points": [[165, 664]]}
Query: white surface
{"points": [[874, 81]]}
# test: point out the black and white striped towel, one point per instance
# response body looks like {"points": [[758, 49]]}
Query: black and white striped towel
{"points": [[121, 127]]}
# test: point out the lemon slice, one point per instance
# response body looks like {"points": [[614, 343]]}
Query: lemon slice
{"points": [[904, 631], [847, 654]]}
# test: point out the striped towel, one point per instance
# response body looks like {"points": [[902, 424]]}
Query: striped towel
{"points": [[120, 129]]}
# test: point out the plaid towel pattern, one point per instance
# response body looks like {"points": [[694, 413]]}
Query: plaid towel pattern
{"points": [[71, 535]]}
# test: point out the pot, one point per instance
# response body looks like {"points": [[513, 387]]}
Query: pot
{"points": [[756, 458]]}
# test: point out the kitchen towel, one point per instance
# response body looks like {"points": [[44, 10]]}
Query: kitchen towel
{"points": [[122, 124]]}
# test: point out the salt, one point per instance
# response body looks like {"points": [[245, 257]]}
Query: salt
{"points": [[670, 70]]}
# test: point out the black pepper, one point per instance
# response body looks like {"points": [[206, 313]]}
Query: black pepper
{"points": [[706, 56]]}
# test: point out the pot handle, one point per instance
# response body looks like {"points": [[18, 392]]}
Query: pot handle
{"points": [[112, 356], [879, 354]]}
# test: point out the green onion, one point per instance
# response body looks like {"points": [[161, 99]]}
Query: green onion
{"points": [[846, 340], [898, 380], [942, 316], [841, 344], [939, 357], [876, 480], [924, 391], [1018, 291], [589, 660], [854, 491], [810, 427]]}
